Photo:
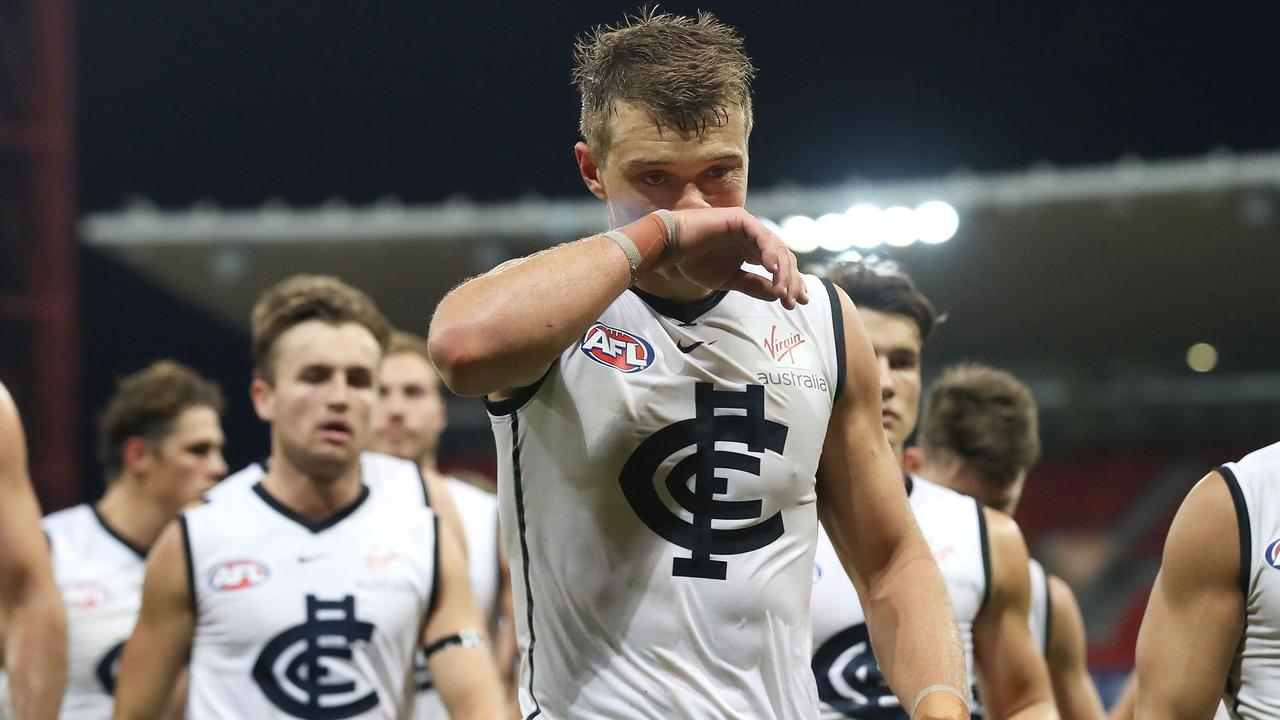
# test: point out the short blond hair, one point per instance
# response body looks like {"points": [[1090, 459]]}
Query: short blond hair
{"points": [[684, 72]]}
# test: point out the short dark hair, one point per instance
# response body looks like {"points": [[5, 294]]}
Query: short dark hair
{"points": [[146, 403], [983, 416], [300, 298], [879, 284], [684, 72]]}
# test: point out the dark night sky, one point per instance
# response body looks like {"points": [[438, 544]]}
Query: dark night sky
{"points": [[242, 100]]}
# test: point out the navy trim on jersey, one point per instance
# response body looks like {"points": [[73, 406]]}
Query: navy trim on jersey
{"points": [[112, 532], [435, 570], [518, 486], [191, 563], [1048, 611], [1242, 523], [422, 480], [837, 327], [520, 398], [909, 482], [317, 525], [986, 553], [685, 312]]}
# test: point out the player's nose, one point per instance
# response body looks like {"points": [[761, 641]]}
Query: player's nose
{"points": [[691, 198], [886, 379]]}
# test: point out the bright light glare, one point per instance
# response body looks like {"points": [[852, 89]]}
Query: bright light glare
{"points": [[800, 233], [898, 226], [1202, 357], [833, 233], [936, 222], [864, 226]]}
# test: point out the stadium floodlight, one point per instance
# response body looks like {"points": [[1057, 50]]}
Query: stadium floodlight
{"points": [[1202, 357], [898, 226], [864, 226], [834, 232], [936, 222], [800, 232]]}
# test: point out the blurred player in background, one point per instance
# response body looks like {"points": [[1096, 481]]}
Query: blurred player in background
{"points": [[407, 423], [31, 613], [303, 596], [649, 352], [980, 437], [1212, 627], [981, 553], [160, 444]]}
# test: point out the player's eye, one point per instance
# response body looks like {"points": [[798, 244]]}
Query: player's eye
{"points": [[359, 378], [653, 178], [315, 374], [414, 392]]}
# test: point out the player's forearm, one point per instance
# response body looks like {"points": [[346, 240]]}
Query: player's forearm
{"points": [[504, 329], [912, 625], [1078, 699], [1041, 710], [36, 654]]}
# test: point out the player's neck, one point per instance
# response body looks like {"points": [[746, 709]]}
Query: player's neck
{"points": [[130, 514], [427, 464], [310, 496], [669, 285]]}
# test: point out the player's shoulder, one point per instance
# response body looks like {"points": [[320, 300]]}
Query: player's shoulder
{"points": [[376, 466], [68, 519], [241, 480], [1262, 465], [926, 492], [465, 492]]}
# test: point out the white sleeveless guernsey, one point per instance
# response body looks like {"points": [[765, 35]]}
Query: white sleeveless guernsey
{"points": [[100, 576], [479, 512], [296, 619], [1041, 612], [850, 682], [1253, 685], [387, 477], [657, 495]]}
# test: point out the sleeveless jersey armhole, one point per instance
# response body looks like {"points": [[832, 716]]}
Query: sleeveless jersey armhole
{"points": [[837, 331], [1242, 524], [520, 397], [191, 564], [986, 554]]}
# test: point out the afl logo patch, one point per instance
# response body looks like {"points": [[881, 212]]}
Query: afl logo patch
{"points": [[616, 348], [238, 575], [84, 595], [1272, 555]]}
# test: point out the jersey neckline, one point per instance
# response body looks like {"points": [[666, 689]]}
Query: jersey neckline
{"points": [[315, 526], [116, 534], [685, 312]]}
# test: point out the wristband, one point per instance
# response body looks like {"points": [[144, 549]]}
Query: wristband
{"points": [[465, 638], [937, 688], [646, 241]]}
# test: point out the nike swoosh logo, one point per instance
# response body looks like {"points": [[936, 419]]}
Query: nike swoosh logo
{"points": [[694, 346]]}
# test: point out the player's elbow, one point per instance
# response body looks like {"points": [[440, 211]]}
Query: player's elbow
{"points": [[458, 356]]}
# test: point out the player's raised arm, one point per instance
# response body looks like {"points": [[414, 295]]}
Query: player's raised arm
{"points": [[1195, 616], [1073, 688], [1016, 679], [503, 329], [863, 505], [157, 651], [458, 654], [35, 639]]}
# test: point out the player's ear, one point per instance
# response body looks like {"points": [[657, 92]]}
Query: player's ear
{"points": [[136, 455], [913, 460], [589, 168], [263, 397]]}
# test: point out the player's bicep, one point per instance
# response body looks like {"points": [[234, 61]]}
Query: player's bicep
{"points": [[1012, 666], [462, 669], [1195, 616], [861, 499], [161, 640], [1073, 687]]}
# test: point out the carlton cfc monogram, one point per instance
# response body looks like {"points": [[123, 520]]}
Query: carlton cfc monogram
{"points": [[704, 431], [298, 663]]}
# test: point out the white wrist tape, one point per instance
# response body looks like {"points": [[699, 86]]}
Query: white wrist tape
{"points": [[629, 249], [673, 240], [933, 689]]}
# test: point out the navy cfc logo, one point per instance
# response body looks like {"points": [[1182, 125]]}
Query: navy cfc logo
{"points": [[108, 668], [703, 432], [849, 678], [295, 669]]}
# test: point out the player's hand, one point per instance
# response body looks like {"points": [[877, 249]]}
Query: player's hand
{"points": [[714, 242]]}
